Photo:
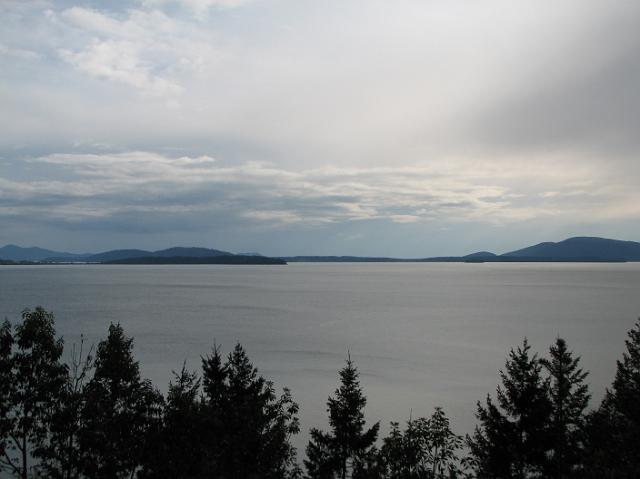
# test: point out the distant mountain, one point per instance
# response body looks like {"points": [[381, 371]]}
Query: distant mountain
{"points": [[220, 259], [480, 255], [17, 253], [191, 252], [339, 259], [578, 249], [581, 247], [121, 254], [117, 254]]}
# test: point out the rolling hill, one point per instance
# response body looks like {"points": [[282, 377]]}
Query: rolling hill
{"points": [[581, 247]]}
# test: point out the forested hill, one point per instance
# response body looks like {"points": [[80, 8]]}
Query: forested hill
{"points": [[582, 247], [123, 254], [587, 249], [230, 259]]}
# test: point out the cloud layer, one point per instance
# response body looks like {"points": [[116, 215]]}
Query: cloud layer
{"points": [[335, 119]]}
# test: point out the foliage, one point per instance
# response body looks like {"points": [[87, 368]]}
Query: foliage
{"points": [[237, 427], [569, 398], [97, 418], [512, 439], [348, 449], [249, 427], [118, 411], [37, 378], [6, 393], [60, 455], [614, 430], [426, 449], [176, 444]]}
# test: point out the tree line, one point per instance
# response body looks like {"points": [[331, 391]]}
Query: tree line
{"points": [[94, 416]]}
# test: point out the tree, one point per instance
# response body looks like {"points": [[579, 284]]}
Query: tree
{"points": [[348, 448], [37, 382], [426, 449], [247, 427], [439, 444], [614, 430], [60, 455], [399, 453], [118, 411], [176, 446], [569, 398], [7, 384], [512, 439]]}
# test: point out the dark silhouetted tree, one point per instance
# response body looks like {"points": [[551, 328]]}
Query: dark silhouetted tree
{"points": [[512, 439], [247, 427], [399, 453], [118, 412], [38, 380], [7, 384], [569, 398], [60, 455], [614, 429], [426, 449], [176, 446], [348, 448]]}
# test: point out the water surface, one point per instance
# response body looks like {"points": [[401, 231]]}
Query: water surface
{"points": [[422, 334]]}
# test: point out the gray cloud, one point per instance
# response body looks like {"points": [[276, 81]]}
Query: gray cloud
{"points": [[332, 118]]}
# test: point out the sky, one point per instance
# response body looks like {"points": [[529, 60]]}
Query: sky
{"points": [[290, 127]]}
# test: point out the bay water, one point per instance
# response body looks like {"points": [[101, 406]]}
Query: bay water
{"points": [[421, 334]]}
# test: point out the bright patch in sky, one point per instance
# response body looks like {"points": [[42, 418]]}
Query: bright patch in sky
{"points": [[406, 128]]}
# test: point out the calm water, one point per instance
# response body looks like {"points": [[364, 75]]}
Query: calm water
{"points": [[422, 335]]}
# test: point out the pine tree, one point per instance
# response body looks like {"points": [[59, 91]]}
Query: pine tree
{"points": [[347, 449], [118, 412], [614, 430], [247, 427], [512, 439], [399, 453], [7, 384], [569, 398], [176, 447], [38, 380]]}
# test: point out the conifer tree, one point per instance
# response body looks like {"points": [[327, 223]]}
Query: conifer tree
{"points": [[399, 453], [348, 448], [6, 393], [37, 382], [614, 430], [118, 412], [247, 427], [512, 439], [176, 448], [569, 398]]}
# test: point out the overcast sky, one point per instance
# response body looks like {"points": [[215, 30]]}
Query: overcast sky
{"points": [[369, 127]]}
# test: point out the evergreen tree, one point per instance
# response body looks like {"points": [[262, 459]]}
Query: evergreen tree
{"points": [[176, 447], [7, 384], [399, 453], [37, 382], [118, 412], [348, 448], [614, 430], [569, 398], [247, 428], [512, 440]]}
